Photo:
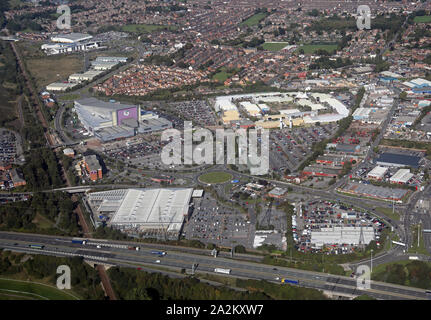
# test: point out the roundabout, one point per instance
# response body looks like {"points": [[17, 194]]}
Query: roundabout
{"points": [[215, 177]]}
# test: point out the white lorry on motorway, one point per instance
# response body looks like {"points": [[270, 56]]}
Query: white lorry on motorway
{"points": [[221, 270]]}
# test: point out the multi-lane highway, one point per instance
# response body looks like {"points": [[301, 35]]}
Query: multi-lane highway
{"points": [[116, 253]]}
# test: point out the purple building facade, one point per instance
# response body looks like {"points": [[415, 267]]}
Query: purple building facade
{"points": [[127, 113]]}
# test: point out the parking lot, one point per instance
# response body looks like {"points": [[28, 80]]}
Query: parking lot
{"points": [[9, 146], [137, 148], [199, 112], [289, 147], [214, 223], [272, 218], [369, 190], [324, 217]]}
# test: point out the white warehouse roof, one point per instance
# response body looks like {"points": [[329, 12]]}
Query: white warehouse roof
{"points": [[341, 235], [401, 176], [71, 37], [145, 208], [378, 172]]}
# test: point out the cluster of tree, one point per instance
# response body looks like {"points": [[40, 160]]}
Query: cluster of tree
{"points": [[342, 24], [4, 6], [364, 297], [171, 8], [327, 63], [279, 32], [69, 168], [160, 60], [415, 274], [9, 263], [345, 40], [56, 207], [207, 64], [32, 132], [85, 280], [137, 285], [318, 150], [17, 216], [382, 66], [334, 23], [277, 292], [10, 86], [254, 42], [409, 144], [424, 112], [29, 20], [313, 13], [346, 169], [105, 232], [180, 53], [42, 170]]}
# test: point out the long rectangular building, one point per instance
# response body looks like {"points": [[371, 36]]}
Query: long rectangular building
{"points": [[144, 209], [342, 235], [398, 160]]}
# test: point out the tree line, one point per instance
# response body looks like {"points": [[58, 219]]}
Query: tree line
{"points": [[85, 280]]}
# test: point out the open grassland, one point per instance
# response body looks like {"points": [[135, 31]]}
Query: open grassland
{"points": [[274, 46], [422, 19], [55, 68], [215, 177], [221, 76], [312, 48], [18, 289], [253, 20], [388, 212]]}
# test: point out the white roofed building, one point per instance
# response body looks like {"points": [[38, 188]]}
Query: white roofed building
{"points": [[341, 235], [71, 37], [140, 210], [402, 176], [377, 173]]}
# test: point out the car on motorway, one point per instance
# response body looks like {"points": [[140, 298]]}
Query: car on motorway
{"points": [[157, 261], [98, 247]]}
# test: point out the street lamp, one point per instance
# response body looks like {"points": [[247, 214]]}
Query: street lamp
{"points": [[371, 261]]}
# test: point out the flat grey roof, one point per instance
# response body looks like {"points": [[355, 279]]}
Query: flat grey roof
{"points": [[95, 103]]}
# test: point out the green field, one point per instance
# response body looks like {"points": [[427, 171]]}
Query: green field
{"points": [[16, 290], [215, 177], [311, 48], [415, 248], [145, 28], [274, 46], [388, 212], [221, 76], [382, 267], [69, 97], [54, 68], [253, 20], [422, 19]]}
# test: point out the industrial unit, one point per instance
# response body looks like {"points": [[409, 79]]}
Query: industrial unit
{"points": [[398, 160], [113, 120], [139, 210]]}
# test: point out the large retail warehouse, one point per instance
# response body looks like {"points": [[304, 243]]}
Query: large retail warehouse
{"points": [[142, 210]]}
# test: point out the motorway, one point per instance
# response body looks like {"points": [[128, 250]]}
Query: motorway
{"points": [[116, 253]]}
